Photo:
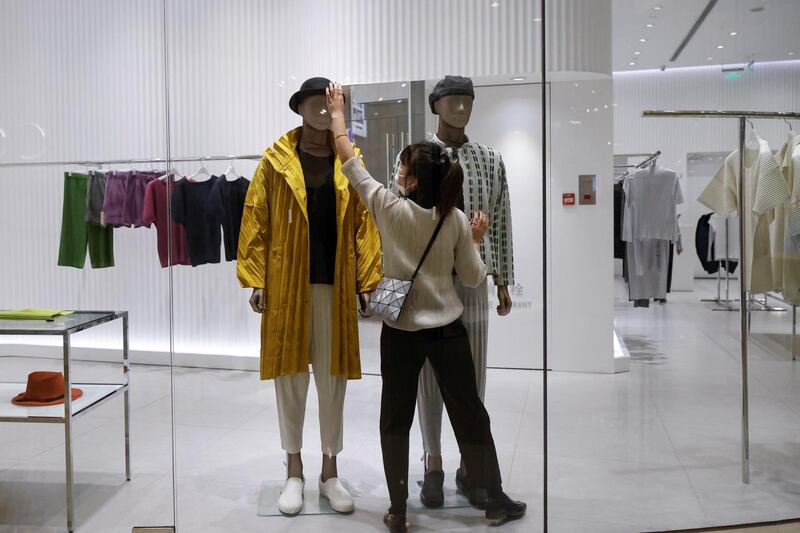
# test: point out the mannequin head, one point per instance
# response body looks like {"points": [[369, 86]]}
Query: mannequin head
{"points": [[454, 110], [314, 110]]}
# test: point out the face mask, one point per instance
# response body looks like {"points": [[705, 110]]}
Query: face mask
{"points": [[400, 188]]}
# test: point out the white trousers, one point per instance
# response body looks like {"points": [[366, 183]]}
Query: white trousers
{"points": [[292, 391], [429, 398]]}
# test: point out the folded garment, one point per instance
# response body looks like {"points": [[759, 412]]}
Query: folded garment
{"points": [[33, 313]]}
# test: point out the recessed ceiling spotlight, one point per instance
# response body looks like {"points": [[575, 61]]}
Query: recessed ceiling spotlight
{"points": [[404, 84], [649, 25], [518, 78], [642, 40], [720, 46], [495, 3], [537, 19], [710, 58], [656, 8], [791, 53], [632, 63], [380, 99], [636, 53], [733, 33]]}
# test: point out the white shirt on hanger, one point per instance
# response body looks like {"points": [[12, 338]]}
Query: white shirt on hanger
{"points": [[765, 189]]}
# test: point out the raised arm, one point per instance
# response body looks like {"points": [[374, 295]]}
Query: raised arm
{"points": [[373, 194], [340, 136]]}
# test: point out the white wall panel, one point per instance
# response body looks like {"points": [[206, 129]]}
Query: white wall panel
{"points": [[90, 73], [768, 87]]}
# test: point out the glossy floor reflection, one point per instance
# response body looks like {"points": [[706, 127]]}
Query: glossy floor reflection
{"points": [[652, 449]]}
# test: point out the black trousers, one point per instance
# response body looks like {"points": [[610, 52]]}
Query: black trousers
{"points": [[402, 355]]}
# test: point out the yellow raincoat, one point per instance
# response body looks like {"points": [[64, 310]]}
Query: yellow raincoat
{"points": [[274, 254]]}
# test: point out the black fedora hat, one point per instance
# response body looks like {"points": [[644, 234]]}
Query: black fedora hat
{"points": [[310, 87]]}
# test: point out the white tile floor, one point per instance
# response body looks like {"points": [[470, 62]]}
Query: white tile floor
{"points": [[652, 449]]}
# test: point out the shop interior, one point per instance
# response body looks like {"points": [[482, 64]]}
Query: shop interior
{"points": [[627, 388]]}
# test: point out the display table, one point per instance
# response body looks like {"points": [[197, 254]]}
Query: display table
{"points": [[94, 394]]}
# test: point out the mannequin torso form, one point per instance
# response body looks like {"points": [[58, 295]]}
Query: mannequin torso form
{"points": [[454, 114]]}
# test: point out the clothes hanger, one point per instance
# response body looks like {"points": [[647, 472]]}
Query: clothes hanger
{"points": [[231, 174], [171, 172], [753, 140], [202, 173]]}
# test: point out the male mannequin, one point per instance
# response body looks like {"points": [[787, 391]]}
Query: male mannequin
{"points": [[485, 189], [307, 246]]}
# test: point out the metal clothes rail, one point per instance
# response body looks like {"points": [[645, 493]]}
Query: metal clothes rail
{"points": [[742, 117], [95, 163]]}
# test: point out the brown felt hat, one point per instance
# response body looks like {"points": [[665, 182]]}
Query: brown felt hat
{"points": [[44, 388]]}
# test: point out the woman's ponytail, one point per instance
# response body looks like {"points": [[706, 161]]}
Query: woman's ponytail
{"points": [[450, 188], [439, 175]]}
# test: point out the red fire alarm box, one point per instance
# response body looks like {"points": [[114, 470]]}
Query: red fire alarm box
{"points": [[568, 198]]}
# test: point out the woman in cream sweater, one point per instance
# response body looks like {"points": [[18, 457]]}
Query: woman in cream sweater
{"points": [[429, 326]]}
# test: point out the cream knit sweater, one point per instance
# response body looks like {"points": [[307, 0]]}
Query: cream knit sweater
{"points": [[405, 230]]}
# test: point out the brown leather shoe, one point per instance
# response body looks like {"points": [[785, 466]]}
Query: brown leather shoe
{"points": [[396, 522]]}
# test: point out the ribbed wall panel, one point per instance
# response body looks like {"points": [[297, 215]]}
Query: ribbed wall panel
{"points": [[90, 73], [769, 87]]}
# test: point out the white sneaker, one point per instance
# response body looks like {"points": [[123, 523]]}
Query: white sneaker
{"points": [[291, 500], [341, 501]]}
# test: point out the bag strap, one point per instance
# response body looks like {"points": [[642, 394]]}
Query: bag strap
{"points": [[428, 248]]}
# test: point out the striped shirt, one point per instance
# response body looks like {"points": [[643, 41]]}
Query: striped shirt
{"points": [[765, 189], [486, 189]]}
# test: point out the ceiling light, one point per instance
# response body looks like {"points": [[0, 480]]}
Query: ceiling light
{"points": [[537, 19], [495, 3], [791, 53], [636, 53], [404, 85], [710, 58], [380, 99], [642, 40], [649, 25], [519, 78], [656, 8], [720, 46], [733, 33], [632, 63]]}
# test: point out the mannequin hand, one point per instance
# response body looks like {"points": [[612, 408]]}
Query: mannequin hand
{"points": [[504, 307], [335, 99], [257, 300], [364, 310], [479, 224]]}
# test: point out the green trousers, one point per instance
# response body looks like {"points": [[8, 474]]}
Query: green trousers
{"points": [[77, 234]]}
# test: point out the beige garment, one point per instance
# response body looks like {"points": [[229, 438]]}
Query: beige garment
{"points": [[786, 264], [292, 391], [765, 189], [406, 228]]}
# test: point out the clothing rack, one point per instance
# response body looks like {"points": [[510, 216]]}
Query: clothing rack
{"points": [[649, 159], [742, 117], [97, 163]]}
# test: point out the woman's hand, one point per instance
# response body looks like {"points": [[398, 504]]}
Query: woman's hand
{"points": [[479, 224], [341, 139], [335, 98]]}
